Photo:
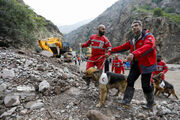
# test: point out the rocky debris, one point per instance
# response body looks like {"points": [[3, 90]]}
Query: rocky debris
{"points": [[46, 53], [34, 104], [44, 88], [96, 115], [10, 101], [24, 88], [44, 85], [9, 112], [7, 73]]}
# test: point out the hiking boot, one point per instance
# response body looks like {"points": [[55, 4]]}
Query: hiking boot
{"points": [[150, 100], [128, 95]]}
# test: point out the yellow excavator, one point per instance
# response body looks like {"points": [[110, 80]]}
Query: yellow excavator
{"points": [[55, 46]]}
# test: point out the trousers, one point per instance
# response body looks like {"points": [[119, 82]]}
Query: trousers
{"points": [[134, 75]]}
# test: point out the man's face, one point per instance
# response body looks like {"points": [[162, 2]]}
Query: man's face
{"points": [[158, 59], [116, 57], [136, 28], [101, 31]]}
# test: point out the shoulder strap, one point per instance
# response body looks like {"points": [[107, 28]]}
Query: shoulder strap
{"points": [[144, 37]]}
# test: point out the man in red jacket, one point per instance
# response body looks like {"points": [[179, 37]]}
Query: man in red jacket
{"points": [[117, 65], [143, 62], [101, 48], [162, 67]]}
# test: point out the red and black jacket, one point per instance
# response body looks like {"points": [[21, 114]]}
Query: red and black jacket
{"points": [[143, 49]]}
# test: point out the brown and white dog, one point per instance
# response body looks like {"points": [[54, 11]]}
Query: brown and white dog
{"points": [[117, 81], [168, 88]]}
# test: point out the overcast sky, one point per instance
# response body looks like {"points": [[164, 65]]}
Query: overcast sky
{"points": [[67, 12]]}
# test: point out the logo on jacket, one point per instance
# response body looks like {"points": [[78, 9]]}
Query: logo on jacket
{"points": [[140, 43]]}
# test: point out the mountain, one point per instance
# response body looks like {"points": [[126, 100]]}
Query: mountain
{"points": [[21, 27], [68, 28], [161, 17]]}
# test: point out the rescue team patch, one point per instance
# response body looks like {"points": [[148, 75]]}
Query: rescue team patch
{"points": [[103, 79]]}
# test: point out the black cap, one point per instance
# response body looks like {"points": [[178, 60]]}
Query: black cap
{"points": [[158, 56]]}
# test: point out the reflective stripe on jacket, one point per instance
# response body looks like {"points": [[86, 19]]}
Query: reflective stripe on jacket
{"points": [[99, 44]]}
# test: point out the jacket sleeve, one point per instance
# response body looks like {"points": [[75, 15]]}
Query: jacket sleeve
{"points": [[86, 44], [121, 48], [108, 46], [148, 46], [165, 68]]}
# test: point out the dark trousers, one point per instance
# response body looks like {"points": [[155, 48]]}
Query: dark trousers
{"points": [[106, 68], [145, 78]]}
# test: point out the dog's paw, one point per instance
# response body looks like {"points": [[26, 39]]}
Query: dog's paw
{"points": [[99, 105]]}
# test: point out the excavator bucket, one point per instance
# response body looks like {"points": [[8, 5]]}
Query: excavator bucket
{"points": [[44, 45]]}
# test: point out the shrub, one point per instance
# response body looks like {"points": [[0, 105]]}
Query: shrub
{"points": [[19, 22], [156, 1], [158, 12], [170, 10]]}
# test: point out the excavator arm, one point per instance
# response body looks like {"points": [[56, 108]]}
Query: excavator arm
{"points": [[47, 44]]}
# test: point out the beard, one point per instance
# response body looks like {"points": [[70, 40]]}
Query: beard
{"points": [[101, 33]]}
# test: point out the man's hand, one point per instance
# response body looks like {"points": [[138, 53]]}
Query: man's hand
{"points": [[80, 44], [130, 57], [107, 55]]}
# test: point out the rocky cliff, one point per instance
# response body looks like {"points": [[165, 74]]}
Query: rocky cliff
{"points": [[118, 19]]}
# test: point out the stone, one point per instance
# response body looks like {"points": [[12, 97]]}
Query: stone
{"points": [[96, 115], [23, 112], [44, 85], [58, 90], [34, 105], [11, 100], [46, 53], [3, 87], [8, 73], [73, 91], [24, 88], [28, 62], [66, 70], [9, 112]]}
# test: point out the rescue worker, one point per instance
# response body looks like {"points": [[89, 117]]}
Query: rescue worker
{"points": [[143, 62], [117, 65], [161, 68], [101, 48]]}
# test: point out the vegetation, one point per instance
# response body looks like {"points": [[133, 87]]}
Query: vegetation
{"points": [[158, 12], [19, 22], [168, 12], [156, 1]]}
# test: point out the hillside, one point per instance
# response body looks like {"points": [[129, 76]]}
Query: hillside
{"points": [[118, 18], [21, 27]]}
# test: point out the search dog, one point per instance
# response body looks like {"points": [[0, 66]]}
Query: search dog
{"points": [[118, 81], [168, 88]]}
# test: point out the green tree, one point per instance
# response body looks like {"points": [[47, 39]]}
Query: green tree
{"points": [[158, 12]]}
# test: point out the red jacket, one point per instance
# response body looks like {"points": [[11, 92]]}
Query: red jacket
{"points": [[99, 45], [162, 67], [143, 50], [118, 65]]}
